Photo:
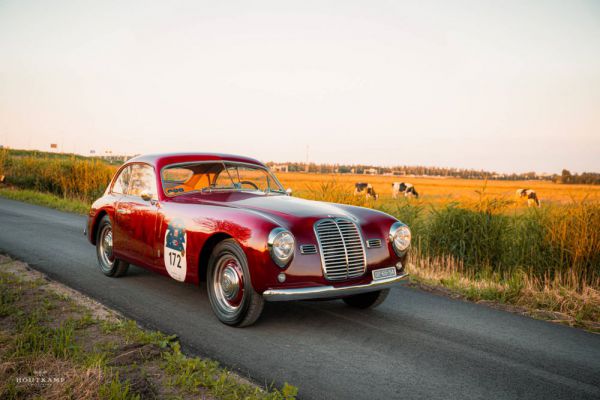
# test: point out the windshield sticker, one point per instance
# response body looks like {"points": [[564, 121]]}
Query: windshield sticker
{"points": [[174, 254]]}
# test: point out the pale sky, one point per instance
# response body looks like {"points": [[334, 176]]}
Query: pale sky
{"points": [[510, 86]]}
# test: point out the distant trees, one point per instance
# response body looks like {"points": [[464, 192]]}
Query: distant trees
{"points": [[588, 178], [419, 170]]}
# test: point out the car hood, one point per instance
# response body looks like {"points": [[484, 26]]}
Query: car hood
{"points": [[285, 207]]}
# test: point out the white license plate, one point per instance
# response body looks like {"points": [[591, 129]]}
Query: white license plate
{"points": [[383, 273]]}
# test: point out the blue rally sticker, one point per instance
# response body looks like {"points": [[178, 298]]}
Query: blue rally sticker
{"points": [[174, 254]]}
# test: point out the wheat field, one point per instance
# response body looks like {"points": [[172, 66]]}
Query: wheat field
{"points": [[438, 191], [479, 225]]}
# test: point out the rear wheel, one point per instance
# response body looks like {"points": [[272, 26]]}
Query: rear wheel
{"points": [[230, 291], [367, 300], [109, 265]]}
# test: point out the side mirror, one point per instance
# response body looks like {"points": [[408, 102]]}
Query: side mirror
{"points": [[288, 191], [146, 196]]}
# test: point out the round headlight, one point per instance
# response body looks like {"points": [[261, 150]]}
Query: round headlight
{"points": [[281, 245], [400, 237]]}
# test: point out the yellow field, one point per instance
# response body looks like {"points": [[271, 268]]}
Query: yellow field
{"points": [[486, 235], [442, 190]]}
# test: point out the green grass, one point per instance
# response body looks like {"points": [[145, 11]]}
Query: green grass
{"points": [[194, 374], [43, 328], [116, 389], [46, 199], [496, 245]]}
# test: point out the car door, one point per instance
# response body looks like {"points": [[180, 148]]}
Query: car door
{"points": [[136, 216]]}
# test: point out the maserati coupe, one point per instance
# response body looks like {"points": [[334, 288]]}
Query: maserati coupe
{"points": [[226, 220]]}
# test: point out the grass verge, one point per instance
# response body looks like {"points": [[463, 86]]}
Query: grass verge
{"points": [[548, 299], [564, 298], [55, 343], [46, 199]]}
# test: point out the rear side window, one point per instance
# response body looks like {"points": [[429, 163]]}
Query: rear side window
{"points": [[142, 180], [122, 182]]}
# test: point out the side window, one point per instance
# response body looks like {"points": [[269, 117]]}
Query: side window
{"points": [[122, 181], [142, 179]]}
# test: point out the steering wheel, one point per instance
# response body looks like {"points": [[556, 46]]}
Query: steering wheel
{"points": [[250, 183]]}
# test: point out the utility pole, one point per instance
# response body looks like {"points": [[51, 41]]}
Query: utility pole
{"points": [[307, 147]]}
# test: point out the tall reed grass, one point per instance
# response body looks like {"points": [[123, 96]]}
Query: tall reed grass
{"points": [[69, 177], [557, 243]]}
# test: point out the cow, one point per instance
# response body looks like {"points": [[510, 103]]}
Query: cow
{"points": [[402, 187], [366, 188], [530, 195]]}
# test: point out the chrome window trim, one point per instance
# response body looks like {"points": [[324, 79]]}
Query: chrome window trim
{"points": [[115, 178]]}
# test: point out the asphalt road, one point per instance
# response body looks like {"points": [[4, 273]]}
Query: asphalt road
{"points": [[415, 346]]}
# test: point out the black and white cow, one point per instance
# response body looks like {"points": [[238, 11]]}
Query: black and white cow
{"points": [[366, 188], [530, 195], [402, 187]]}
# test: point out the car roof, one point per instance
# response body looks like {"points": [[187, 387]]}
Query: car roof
{"points": [[160, 160]]}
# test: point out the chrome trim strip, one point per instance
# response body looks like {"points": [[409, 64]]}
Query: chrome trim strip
{"points": [[320, 292]]}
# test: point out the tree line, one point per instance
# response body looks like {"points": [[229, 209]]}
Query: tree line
{"points": [[464, 173], [588, 178]]}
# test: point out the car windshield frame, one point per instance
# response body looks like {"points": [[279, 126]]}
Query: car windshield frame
{"points": [[226, 164]]}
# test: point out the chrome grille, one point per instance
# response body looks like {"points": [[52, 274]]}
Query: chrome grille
{"points": [[308, 249], [341, 247]]}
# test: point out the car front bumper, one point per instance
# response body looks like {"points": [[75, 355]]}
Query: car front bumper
{"points": [[323, 292]]}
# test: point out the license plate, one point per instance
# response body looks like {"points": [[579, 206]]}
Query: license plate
{"points": [[383, 273]]}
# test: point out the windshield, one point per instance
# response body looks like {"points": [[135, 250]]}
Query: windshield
{"points": [[208, 176]]}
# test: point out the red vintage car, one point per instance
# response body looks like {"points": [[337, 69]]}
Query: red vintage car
{"points": [[227, 220]]}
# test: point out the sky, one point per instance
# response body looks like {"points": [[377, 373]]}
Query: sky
{"points": [[510, 86]]}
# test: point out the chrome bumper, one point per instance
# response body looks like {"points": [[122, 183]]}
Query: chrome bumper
{"points": [[320, 292]]}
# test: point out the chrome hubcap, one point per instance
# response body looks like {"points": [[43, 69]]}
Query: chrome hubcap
{"points": [[106, 247], [228, 283]]}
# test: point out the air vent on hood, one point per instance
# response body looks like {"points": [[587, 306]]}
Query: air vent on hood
{"points": [[308, 249], [372, 243]]}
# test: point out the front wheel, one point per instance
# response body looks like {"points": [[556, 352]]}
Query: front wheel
{"points": [[107, 262], [230, 291], [367, 300]]}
